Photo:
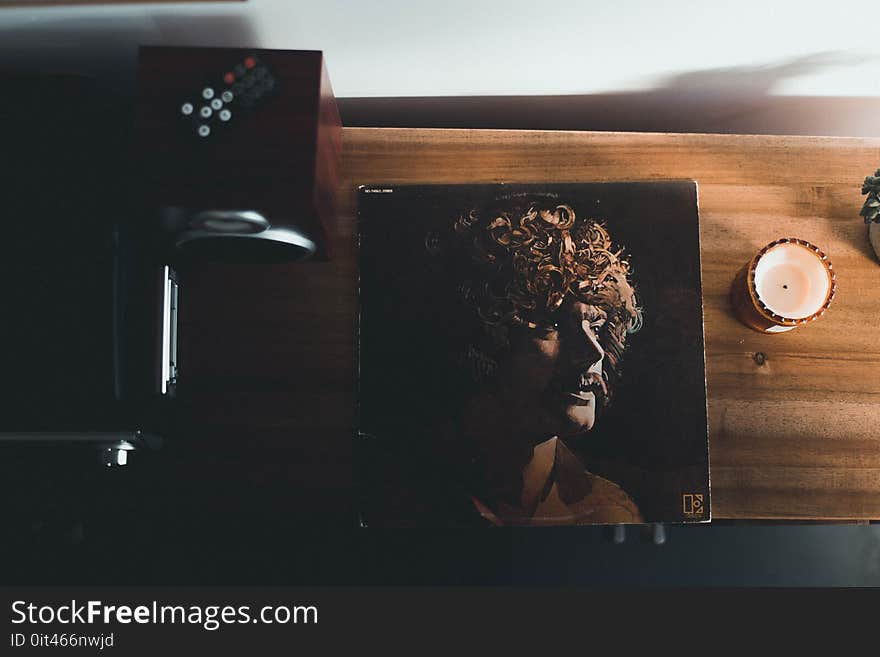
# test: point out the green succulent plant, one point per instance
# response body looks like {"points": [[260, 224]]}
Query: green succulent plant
{"points": [[871, 209]]}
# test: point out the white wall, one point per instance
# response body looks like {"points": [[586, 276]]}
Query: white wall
{"points": [[474, 47]]}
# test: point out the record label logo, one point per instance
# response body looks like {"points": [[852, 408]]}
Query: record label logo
{"points": [[692, 504]]}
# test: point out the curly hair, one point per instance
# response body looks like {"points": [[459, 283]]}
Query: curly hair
{"points": [[522, 258]]}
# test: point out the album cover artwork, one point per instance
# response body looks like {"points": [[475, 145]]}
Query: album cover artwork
{"points": [[531, 355]]}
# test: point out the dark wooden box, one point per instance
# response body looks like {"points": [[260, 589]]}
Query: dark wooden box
{"points": [[281, 157]]}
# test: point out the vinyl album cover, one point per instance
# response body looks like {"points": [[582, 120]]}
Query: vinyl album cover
{"points": [[531, 355]]}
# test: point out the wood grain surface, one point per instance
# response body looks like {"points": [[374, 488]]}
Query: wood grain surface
{"points": [[797, 437]]}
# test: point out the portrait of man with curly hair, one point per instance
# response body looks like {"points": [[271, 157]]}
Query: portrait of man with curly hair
{"points": [[554, 304], [516, 316]]}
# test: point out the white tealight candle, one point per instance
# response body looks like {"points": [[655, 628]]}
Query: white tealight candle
{"points": [[788, 283]]}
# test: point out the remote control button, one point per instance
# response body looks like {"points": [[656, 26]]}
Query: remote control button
{"points": [[205, 112], [225, 115], [216, 104], [229, 78], [250, 62], [186, 109], [239, 71], [207, 93], [204, 130], [227, 96]]}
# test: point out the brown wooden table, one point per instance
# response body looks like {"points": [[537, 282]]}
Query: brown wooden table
{"points": [[796, 437]]}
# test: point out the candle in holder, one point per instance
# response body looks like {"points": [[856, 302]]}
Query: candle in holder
{"points": [[787, 284]]}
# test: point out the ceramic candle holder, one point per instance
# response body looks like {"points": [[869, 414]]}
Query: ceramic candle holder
{"points": [[787, 284]]}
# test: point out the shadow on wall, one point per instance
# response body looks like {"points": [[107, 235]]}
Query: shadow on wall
{"points": [[107, 49], [722, 100]]}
